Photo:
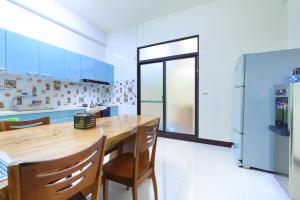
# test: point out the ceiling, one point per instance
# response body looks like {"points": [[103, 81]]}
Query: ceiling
{"points": [[109, 15]]}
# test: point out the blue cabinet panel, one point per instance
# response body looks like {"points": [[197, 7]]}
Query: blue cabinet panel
{"points": [[96, 70], [72, 66], [74, 112], [22, 54], [88, 68], [60, 120], [110, 74], [114, 111], [2, 50], [102, 70], [52, 61]]}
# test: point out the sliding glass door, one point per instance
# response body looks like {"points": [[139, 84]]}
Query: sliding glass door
{"points": [[152, 90], [180, 96], [168, 85], [167, 90]]}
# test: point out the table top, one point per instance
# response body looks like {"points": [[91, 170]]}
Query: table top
{"points": [[58, 140]]}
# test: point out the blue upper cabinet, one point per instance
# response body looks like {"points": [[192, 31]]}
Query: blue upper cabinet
{"points": [[96, 70], [2, 50], [52, 61], [110, 73], [72, 66], [89, 68], [22, 54], [102, 71]]}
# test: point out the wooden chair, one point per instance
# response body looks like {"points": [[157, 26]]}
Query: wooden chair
{"points": [[132, 169], [58, 179], [7, 126]]}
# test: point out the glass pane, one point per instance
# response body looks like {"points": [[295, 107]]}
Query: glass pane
{"points": [[153, 109], [152, 90], [152, 82], [170, 49], [180, 90]]}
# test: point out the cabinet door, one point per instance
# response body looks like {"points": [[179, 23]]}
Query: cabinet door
{"points": [[102, 71], [110, 74], [52, 62], [89, 68], [2, 50], [114, 111], [72, 66], [22, 54]]}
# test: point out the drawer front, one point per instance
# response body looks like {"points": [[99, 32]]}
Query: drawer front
{"points": [[60, 120], [60, 114], [73, 112]]}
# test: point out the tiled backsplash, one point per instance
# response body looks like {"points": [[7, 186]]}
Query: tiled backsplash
{"points": [[36, 92]]}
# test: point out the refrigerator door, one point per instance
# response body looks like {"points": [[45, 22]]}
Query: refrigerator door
{"points": [[295, 145], [239, 73], [238, 109], [238, 145], [262, 72]]}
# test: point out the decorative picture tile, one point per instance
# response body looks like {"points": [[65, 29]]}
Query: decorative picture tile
{"points": [[57, 85], [51, 93], [10, 84]]}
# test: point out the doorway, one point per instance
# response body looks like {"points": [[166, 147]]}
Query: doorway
{"points": [[168, 85]]}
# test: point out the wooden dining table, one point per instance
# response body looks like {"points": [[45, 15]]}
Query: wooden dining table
{"points": [[59, 140]]}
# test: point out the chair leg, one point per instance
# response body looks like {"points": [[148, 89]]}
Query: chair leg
{"points": [[154, 185], [105, 188], [135, 192]]}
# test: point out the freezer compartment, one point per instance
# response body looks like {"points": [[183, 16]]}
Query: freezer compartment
{"points": [[239, 73]]}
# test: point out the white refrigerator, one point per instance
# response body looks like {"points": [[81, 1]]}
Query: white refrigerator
{"points": [[255, 77]]}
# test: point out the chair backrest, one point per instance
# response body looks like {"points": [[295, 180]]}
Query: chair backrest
{"points": [[7, 126], [146, 138], [57, 179]]}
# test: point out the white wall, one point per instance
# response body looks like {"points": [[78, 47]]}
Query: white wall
{"points": [[24, 22], [121, 52], [227, 28], [294, 23]]}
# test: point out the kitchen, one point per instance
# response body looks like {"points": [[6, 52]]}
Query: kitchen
{"points": [[221, 81]]}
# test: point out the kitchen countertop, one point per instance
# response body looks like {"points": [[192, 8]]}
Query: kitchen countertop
{"points": [[10, 113]]}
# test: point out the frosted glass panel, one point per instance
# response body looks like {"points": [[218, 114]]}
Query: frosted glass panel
{"points": [[153, 109], [152, 90], [152, 82], [180, 98], [170, 49]]}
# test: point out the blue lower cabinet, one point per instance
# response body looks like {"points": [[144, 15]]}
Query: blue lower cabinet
{"points": [[114, 111], [55, 117], [74, 112], [59, 114], [60, 120], [27, 117]]}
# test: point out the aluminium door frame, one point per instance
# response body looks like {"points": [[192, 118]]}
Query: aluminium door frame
{"points": [[164, 60]]}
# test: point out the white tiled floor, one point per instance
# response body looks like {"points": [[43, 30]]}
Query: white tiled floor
{"points": [[191, 171]]}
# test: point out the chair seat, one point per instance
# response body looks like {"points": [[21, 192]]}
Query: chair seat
{"points": [[122, 166]]}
